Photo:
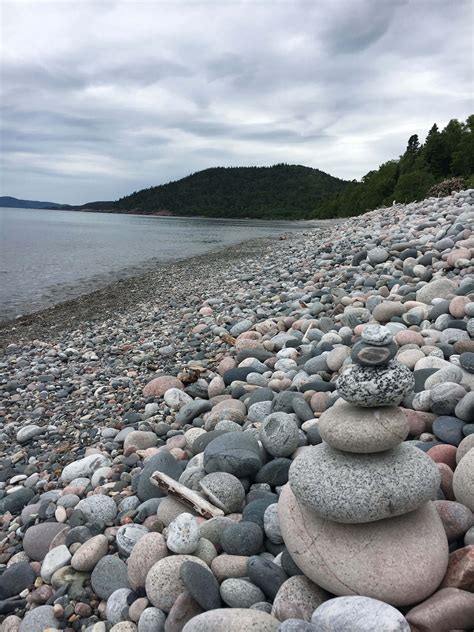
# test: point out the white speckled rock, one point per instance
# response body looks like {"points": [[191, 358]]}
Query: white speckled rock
{"points": [[152, 620], [183, 534], [98, 508], [365, 430], [224, 490], [377, 255], [279, 434], [163, 582], [240, 593], [354, 488], [401, 560], [376, 386], [358, 614]]}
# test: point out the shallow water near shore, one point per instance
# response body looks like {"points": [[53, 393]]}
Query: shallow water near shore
{"points": [[47, 257]]}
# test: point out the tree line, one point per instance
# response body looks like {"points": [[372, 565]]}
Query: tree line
{"points": [[445, 154]]}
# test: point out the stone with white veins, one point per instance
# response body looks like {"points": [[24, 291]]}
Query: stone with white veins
{"points": [[128, 535], [54, 560], [377, 335], [83, 467]]}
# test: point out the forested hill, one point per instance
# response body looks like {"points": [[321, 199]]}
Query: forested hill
{"points": [[446, 154], [280, 191]]}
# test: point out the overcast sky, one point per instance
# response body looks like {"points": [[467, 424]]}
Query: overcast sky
{"points": [[104, 97]]}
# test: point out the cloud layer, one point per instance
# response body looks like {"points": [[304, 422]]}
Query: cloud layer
{"points": [[104, 97]]}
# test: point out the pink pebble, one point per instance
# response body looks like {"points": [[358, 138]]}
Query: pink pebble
{"points": [[444, 454]]}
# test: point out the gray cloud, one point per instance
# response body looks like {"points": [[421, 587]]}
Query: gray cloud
{"points": [[102, 98]]}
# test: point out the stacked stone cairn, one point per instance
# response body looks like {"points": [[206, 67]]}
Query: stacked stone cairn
{"points": [[356, 515]]}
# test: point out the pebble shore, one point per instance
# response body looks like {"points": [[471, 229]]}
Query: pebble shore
{"points": [[279, 437]]}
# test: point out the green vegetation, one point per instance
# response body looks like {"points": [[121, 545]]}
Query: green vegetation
{"points": [[445, 154], [282, 191]]}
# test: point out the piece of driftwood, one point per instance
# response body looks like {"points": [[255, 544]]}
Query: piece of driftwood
{"points": [[185, 495], [227, 338]]}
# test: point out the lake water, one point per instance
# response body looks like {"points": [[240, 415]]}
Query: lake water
{"points": [[50, 256]]}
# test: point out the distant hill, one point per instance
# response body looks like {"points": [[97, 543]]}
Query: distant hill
{"points": [[12, 202], [280, 191]]}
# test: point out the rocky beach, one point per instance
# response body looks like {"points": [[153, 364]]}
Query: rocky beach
{"points": [[277, 437]]}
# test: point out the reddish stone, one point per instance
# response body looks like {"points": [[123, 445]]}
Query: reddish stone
{"points": [[225, 364], [444, 454], [418, 421], [409, 337], [249, 335], [464, 345], [206, 311], [446, 480], [456, 306], [183, 609], [461, 253], [319, 402], [447, 609], [456, 518], [248, 343], [230, 404], [159, 386], [460, 573]]}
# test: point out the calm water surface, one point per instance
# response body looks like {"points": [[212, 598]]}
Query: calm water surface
{"points": [[50, 256]]}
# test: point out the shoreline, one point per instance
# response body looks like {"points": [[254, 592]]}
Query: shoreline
{"points": [[291, 362], [124, 293]]}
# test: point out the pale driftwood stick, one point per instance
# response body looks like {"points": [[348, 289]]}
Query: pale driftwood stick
{"points": [[196, 501]]}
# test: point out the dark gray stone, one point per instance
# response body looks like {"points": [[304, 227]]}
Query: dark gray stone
{"points": [[15, 579], [265, 574], [15, 502], [275, 472], [255, 510], [191, 410], [238, 374], [243, 538], [163, 462], [235, 452], [109, 574], [466, 360], [201, 584]]}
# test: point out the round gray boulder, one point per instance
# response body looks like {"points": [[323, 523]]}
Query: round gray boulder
{"points": [[354, 488]]}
